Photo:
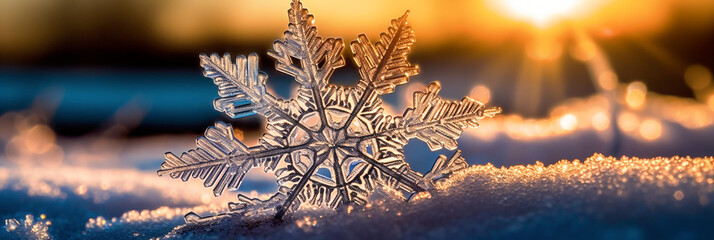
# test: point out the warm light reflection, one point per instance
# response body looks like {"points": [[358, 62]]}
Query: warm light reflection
{"points": [[480, 93], [544, 48], [29, 28], [584, 50], [29, 141], [601, 121], [636, 94], [607, 80], [568, 122], [628, 121], [665, 179], [651, 129], [645, 123], [697, 77]]}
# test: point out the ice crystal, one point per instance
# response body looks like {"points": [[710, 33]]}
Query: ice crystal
{"points": [[331, 145], [29, 228]]}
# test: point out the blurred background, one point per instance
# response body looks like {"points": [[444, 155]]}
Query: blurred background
{"points": [[117, 82]]}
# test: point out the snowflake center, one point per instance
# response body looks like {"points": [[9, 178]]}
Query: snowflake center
{"points": [[333, 149]]}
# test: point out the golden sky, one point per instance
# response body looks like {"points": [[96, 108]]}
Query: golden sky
{"points": [[29, 27]]}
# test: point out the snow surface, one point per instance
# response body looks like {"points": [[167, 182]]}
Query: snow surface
{"points": [[599, 198]]}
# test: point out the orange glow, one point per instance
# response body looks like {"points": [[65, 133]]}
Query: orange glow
{"points": [[607, 80], [30, 141], [697, 77], [39, 139], [81, 190], [636, 95], [679, 195], [481, 93], [710, 102], [651, 129], [584, 51], [544, 48], [600, 121], [568, 122], [28, 27], [628, 121], [540, 13], [697, 118]]}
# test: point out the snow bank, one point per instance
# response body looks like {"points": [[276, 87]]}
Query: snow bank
{"points": [[598, 198]]}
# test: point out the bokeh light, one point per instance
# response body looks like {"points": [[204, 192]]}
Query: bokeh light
{"points": [[651, 129], [636, 94], [607, 80], [628, 121], [568, 122], [601, 121], [480, 93], [698, 77]]}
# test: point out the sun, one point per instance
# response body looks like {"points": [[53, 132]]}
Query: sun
{"points": [[539, 12]]}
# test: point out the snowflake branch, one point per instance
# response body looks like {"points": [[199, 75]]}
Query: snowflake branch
{"points": [[220, 159], [437, 122], [444, 167], [210, 161], [295, 191], [339, 177], [401, 176], [257, 153], [440, 122], [383, 65], [318, 58], [241, 86]]}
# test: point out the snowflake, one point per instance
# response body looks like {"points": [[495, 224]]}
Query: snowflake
{"points": [[331, 145]]}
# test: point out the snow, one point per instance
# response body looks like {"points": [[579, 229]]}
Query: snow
{"points": [[600, 197]]}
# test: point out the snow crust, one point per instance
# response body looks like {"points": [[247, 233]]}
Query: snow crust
{"points": [[600, 197]]}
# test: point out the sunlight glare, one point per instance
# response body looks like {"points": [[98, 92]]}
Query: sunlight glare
{"points": [[540, 12]]}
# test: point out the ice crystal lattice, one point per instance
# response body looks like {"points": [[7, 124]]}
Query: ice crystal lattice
{"points": [[331, 145]]}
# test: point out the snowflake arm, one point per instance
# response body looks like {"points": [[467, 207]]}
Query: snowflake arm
{"points": [[317, 58], [241, 87], [301, 190], [214, 160], [383, 65], [402, 178], [440, 122], [444, 167], [221, 160]]}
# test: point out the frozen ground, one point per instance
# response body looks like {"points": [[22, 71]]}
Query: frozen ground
{"points": [[599, 198]]}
